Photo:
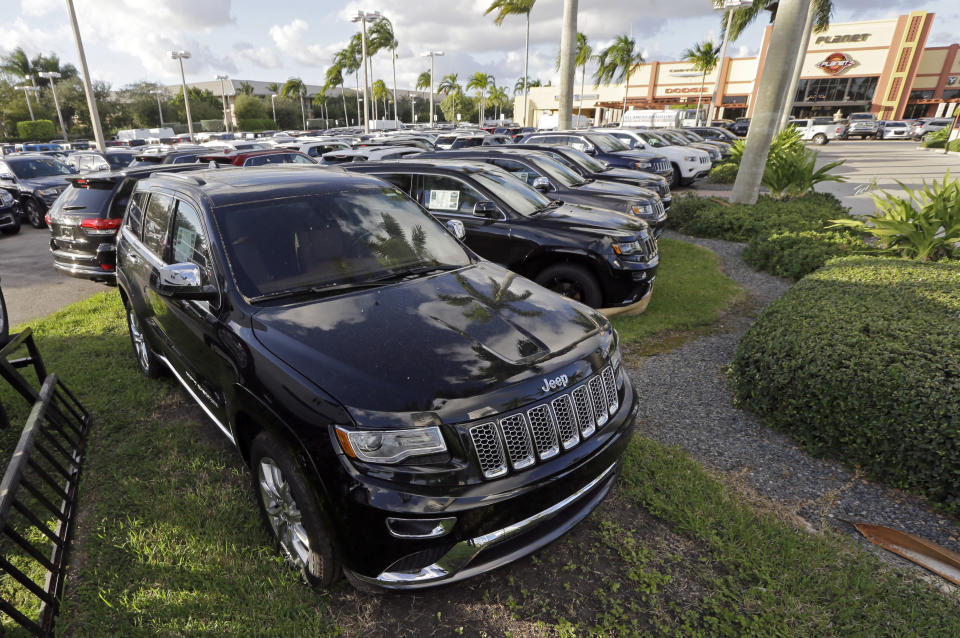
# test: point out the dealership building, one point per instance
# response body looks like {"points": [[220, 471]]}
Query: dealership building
{"points": [[882, 66]]}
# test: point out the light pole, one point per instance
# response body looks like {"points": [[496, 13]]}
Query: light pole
{"points": [[26, 88], [729, 6], [431, 55], [273, 105], [362, 17], [223, 100], [53, 75], [158, 93], [181, 56], [87, 87]]}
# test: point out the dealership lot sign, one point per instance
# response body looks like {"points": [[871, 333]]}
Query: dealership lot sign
{"points": [[837, 39]]}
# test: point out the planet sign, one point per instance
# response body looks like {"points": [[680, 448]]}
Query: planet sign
{"points": [[835, 63]]}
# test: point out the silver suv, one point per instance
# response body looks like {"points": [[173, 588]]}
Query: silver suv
{"points": [[862, 125]]}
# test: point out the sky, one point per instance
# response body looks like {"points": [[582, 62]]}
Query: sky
{"points": [[128, 41]]}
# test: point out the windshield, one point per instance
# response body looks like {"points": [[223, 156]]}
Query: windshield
{"points": [[119, 160], [330, 239], [694, 137], [516, 193], [608, 143], [676, 138], [33, 168], [558, 171], [583, 160], [654, 140]]}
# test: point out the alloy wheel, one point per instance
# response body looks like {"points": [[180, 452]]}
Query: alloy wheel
{"points": [[282, 512], [139, 342]]}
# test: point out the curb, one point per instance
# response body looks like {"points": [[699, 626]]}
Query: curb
{"points": [[939, 150]]}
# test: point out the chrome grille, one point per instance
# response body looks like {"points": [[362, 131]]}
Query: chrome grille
{"points": [[543, 430], [659, 210], [650, 247], [515, 435], [487, 444], [661, 166]]}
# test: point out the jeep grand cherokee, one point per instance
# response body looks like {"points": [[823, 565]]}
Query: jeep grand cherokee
{"points": [[409, 411]]}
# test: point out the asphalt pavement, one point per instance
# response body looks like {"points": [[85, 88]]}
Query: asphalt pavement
{"points": [[31, 286]]}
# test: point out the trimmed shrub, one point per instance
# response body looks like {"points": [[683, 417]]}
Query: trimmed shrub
{"points": [[936, 139], [38, 130], [861, 361], [212, 126], [708, 217], [725, 173], [257, 124], [797, 254]]}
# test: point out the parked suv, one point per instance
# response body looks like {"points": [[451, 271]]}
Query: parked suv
{"points": [[114, 159], [409, 411], [558, 182], [599, 257], [35, 181], [85, 219], [607, 149], [9, 213], [929, 126], [740, 126], [689, 164], [862, 125], [819, 130]]}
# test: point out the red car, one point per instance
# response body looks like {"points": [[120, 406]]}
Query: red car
{"points": [[258, 158]]}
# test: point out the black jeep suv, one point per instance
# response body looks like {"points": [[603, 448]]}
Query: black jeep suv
{"points": [[410, 412], [35, 181], [597, 256]]}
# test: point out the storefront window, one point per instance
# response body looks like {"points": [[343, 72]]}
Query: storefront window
{"points": [[951, 94], [734, 99], [836, 90], [921, 95]]}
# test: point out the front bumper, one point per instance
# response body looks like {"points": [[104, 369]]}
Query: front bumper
{"points": [[9, 216], [497, 521]]}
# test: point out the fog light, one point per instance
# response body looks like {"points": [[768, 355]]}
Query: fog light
{"points": [[420, 527]]}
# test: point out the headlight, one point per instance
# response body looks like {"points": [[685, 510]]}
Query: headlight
{"points": [[642, 166], [690, 158], [390, 446], [641, 209], [630, 251], [5, 198]]}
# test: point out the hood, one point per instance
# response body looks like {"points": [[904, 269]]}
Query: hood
{"points": [[591, 219], [44, 182], [449, 344], [618, 191], [641, 178]]}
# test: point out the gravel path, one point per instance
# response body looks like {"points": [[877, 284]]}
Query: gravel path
{"points": [[688, 403]]}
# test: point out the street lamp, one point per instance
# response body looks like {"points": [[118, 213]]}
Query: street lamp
{"points": [[273, 105], [223, 101], [53, 75], [362, 17], [181, 56], [26, 88], [158, 93], [730, 6], [431, 55]]}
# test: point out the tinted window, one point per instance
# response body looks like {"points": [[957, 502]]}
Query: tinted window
{"points": [[188, 241], [399, 180], [608, 143], [119, 160], [517, 169], [185, 159], [134, 216], [331, 238], [156, 218], [38, 167], [298, 159], [91, 200], [442, 194], [520, 197], [263, 160]]}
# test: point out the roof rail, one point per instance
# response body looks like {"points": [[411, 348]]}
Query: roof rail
{"points": [[198, 181]]}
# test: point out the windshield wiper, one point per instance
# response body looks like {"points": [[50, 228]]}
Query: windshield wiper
{"points": [[320, 291], [557, 203], [397, 275]]}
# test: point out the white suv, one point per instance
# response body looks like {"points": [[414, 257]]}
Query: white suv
{"points": [[689, 164], [819, 130]]}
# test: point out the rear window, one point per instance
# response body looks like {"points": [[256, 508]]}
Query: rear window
{"points": [[89, 200], [823, 120], [861, 116]]}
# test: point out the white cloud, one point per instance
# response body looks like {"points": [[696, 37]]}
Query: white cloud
{"points": [[289, 40]]}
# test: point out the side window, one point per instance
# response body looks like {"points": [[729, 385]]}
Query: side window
{"points": [[517, 169], [626, 139], [156, 218], [134, 218], [188, 243], [185, 159], [314, 151], [442, 194], [120, 198], [400, 180], [298, 159]]}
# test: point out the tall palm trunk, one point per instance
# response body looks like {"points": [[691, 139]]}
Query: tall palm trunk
{"points": [[370, 88], [303, 112], [396, 118], [343, 97], [626, 90], [526, 64], [703, 82]]}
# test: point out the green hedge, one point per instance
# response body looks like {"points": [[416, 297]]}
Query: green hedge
{"points": [[708, 217], [36, 130], [861, 361], [725, 173], [254, 125], [797, 254]]}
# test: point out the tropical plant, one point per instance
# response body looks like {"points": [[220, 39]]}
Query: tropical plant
{"points": [[704, 57], [504, 9], [450, 86], [382, 37], [480, 82], [499, 98], [924, 225], [273, 87], [380, 92], [616, 62], [581, 57], [743, 18], [320, 101], [794, 172], [787, 140], [348, 59], [246, 88], [526, 82], [295, 88], [16, 64], [334, 77]]}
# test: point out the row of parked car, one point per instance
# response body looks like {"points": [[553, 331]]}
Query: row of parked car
{"points": [[406, 351], [821, 130]]}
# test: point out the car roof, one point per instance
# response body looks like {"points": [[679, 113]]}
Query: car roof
{"points": [[456, 166]]}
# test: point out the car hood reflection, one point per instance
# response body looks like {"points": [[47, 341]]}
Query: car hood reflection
{"points": [[426, 342]]}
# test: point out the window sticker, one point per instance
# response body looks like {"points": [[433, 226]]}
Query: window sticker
{"points": [[184, 243], [444, 200]]}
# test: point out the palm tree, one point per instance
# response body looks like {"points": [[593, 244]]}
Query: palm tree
{"points": [[526, 82], [349, 60], [273, 87], [450, 85], [334, 77], [17, 65], [499, 98], [52, 63], [704, 58], [246, 88], [382, 37], [379, 91], [294, 87], [616, 62], [320, 101], [582, 55], [480, 82], [742, 18], [505, 8]]}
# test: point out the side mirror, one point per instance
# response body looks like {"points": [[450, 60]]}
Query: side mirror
{"points": [[6, 177], [183, 281], [455, 226], [486, 209], [542, 184]]}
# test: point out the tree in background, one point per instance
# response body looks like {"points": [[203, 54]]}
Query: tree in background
{"points": [[250, 107], [526, 82], [204, 105], [334, 77], [16, 64], [246, 88], [382, 37], [743, 18], [499, 98], [616, 62], [380, 93], [480, 82], [704, 57], [295, 88], [449, 86], [504, 9]]}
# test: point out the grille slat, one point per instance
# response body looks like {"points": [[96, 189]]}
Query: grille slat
{"points": [[540, 433]]}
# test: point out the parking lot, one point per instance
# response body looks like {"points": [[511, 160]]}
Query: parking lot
{"points": [[31, 286], [878, 165]]}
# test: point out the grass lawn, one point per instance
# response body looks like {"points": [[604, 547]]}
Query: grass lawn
{"points": [[170, 543]]}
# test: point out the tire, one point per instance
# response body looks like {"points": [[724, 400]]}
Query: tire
{"points": [[291, 511], [12, 230], [34, 214], [147, 362], [675, 180], [573, 281], [820, 139]]}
